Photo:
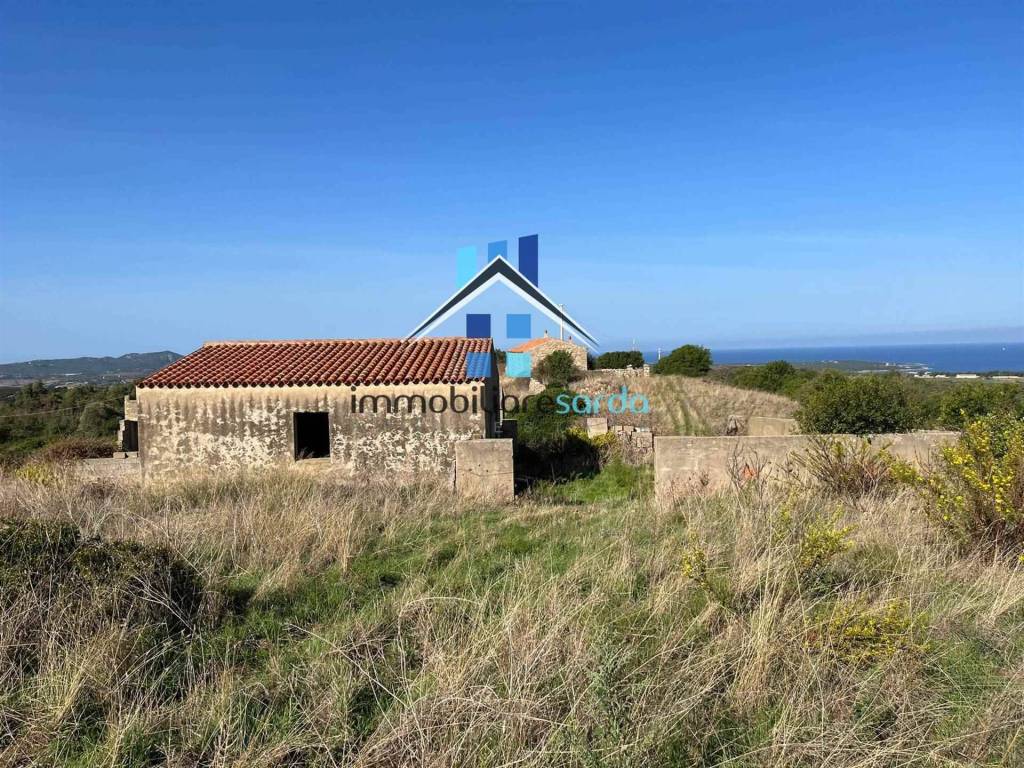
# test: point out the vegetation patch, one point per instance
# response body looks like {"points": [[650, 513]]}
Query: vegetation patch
{"points": [[864, 635], [976, 491], [583, 625]]}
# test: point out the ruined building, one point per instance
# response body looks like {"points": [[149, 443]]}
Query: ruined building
{"points": [[353, 407]]}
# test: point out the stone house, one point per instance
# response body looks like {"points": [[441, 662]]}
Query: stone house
{"points": [[354, 407], [544, 346]]}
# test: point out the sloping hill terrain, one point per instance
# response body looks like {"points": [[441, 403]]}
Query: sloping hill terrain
{"points": [[86, 370], [702, 407], [681, 405]]}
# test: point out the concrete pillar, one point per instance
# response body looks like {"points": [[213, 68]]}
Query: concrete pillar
{"points": [[484, 469]]}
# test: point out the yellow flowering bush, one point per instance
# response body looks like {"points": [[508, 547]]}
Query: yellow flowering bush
{"points": [[861, 635], [714, 583], [977, 490], [816, 537], [607, 445], [37, 472], [820, 541]]}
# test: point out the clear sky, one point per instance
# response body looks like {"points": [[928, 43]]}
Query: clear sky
{"points": [[731, 173]]}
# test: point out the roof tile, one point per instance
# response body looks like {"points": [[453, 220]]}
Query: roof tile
{"points": [[329, 361]]}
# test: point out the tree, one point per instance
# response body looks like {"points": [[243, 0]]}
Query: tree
{"points": [[557, 369], [858, 405], [688, 360], [620, 360]]}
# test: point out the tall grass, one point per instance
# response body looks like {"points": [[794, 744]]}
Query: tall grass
{"points": [[384, 626], [690, 406]]}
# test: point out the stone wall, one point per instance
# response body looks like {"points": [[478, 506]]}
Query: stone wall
{"points": [[687, 464], [183, 431], [549, 345], [484, 469], [637, 443]]}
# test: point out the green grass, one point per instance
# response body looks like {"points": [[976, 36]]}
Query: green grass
{"points": [[560, 630], [615, 483]]}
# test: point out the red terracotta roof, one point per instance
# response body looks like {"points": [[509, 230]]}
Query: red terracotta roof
{"points": [[332, 361], [526, 346]]}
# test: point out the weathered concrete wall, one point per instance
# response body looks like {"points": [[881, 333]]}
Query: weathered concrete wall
{"points": [[484, 468], [119, 468], [182, 431], [687, 464], [767, 426]]}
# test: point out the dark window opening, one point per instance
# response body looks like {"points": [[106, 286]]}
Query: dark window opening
{"points": [[312, 436]]}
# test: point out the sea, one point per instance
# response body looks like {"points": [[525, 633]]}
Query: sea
{"points": [[913, 358]]}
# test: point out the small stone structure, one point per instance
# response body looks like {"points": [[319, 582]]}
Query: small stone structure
{"points": [[690, 464], [353, 408], [544, 346], [484, 469], [637, 441]]}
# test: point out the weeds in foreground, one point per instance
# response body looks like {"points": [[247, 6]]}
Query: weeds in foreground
{"points": [[385, 627], [845, 468]]}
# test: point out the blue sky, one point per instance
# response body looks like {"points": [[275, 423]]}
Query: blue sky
{"points": [[727, 173]]}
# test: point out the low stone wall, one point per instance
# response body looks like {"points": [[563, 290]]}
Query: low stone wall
{"points": [[687, 464], [121, 467], [484, 469]]}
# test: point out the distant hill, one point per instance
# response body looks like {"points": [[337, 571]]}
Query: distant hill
{"points": [[86, 370]]}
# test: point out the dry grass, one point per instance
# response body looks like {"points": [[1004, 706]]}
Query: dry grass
{"points": [[690, 406], [386, 627]]}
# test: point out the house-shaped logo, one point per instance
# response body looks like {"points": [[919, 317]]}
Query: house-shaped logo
{"points": [[523, 281]]}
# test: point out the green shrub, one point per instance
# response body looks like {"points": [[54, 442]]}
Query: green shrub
{"points": [[962, 403], [540, 425], [688, 360], [778, 377], [547, 445], [557, 369], [858, 405], [620, 360], [976, 492]]}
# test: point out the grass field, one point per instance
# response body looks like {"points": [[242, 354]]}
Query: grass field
{"points": [[278, 620], [690, 406]]}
